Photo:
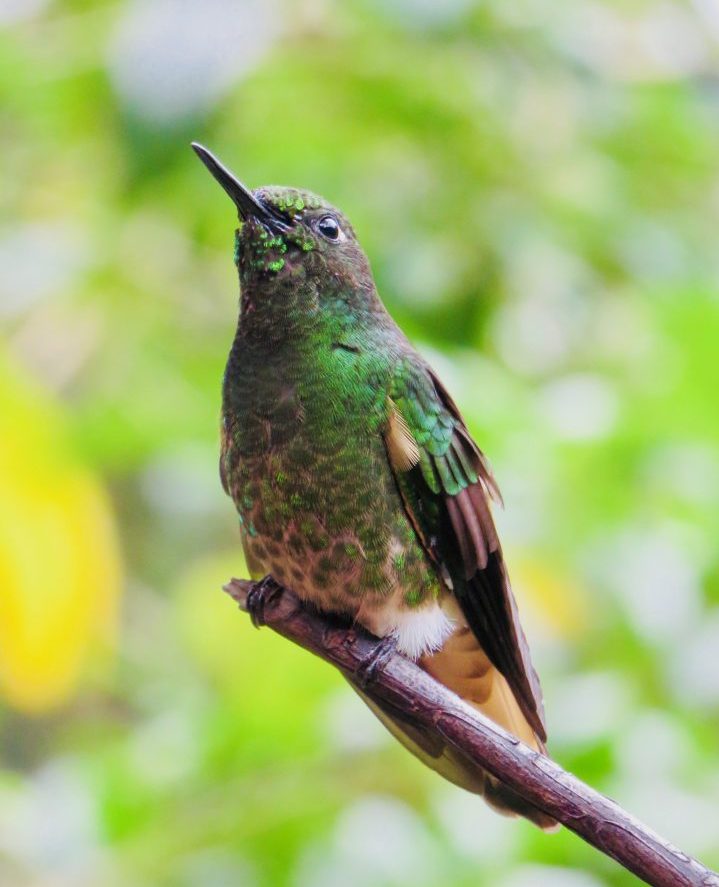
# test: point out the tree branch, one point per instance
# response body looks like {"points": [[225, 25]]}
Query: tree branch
{"points": [[596, 819]]}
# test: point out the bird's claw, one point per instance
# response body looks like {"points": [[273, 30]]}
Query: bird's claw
{"points": [[375, 661], [258, 597]]}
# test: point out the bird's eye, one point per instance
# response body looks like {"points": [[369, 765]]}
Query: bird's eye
{"points": [[329, 228]]}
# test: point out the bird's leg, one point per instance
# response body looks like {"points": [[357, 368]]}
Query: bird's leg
{"points": [[259, 596], [375, 661]]}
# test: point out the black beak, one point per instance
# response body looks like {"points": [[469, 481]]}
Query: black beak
{"points": [[247, 204]]}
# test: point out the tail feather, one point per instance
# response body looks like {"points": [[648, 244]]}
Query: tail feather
{"points": [[462, 666]]}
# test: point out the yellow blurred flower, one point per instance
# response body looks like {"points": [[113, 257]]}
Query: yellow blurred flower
{"points": [[59, 557], [556, 598]]}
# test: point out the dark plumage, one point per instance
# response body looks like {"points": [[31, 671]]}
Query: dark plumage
{"points": [[356, 480]]}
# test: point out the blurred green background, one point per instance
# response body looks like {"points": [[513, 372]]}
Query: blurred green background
{"points": [[537, 186]]}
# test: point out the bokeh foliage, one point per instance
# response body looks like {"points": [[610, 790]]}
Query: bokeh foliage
{"points": [[536, 185]]}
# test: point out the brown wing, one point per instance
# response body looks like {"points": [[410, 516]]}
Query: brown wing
{"points": [[447, 494]]}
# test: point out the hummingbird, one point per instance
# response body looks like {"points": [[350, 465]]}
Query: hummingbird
{"points": [[356, 480]]}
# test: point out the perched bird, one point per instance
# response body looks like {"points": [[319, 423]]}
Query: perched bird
{"points": [[356, 480]]}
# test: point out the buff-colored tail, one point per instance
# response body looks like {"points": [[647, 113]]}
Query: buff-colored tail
{"points": [[463, 667]]}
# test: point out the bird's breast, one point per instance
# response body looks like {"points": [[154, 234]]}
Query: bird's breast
{"points": [[304, 459]]}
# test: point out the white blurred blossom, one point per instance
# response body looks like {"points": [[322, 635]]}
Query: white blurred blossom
{"points": [[579, 407], [588, 706], [684, 818], [49, 824], [473, 829], [377, 840], [164, 750], [693, 669], [39, 260], [183, 481], [12, 11], [217, 868], [651, 745], [388, 840], [687, 470], [544, 320], [654, 573], [653, 250], [549, 876], [423, 270], [666, 40], [425, 13], [350, 724], [172, 59], [709, 13]]}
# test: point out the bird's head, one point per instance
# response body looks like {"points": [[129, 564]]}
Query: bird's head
{"points": [[291, 245]]}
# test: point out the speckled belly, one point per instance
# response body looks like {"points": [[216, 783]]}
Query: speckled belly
{"points": [[332, 526]]}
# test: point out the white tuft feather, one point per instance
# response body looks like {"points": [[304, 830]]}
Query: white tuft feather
{"points": [[422, 631]]}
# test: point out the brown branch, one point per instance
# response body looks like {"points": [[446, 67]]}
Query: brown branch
{"points": [[598, 820]]}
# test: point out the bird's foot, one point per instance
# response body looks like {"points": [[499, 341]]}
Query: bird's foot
{"points": [[259, 596], [373, 663]]}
